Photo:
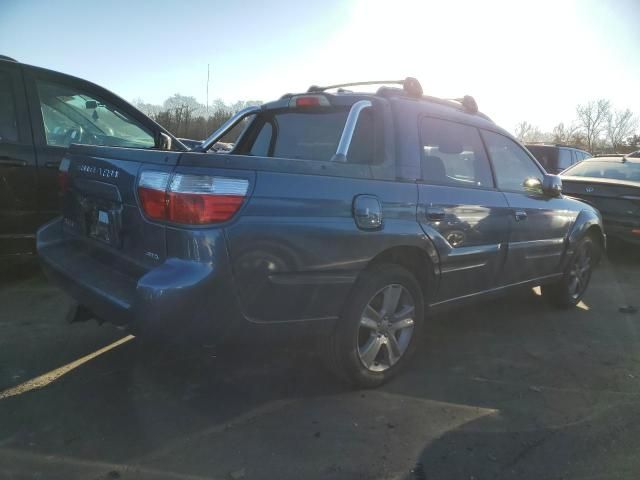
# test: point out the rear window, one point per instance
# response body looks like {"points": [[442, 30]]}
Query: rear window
{"points": [[312, 135], [547, 156], [618, 171]]}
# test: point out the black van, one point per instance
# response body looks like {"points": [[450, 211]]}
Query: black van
{"points": [[556, 158]]}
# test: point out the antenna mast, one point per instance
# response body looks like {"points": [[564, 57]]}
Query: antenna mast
{"points": [[207, 90]]}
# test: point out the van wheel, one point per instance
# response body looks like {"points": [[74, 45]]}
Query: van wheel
{"points": [[379, 328], [568, 291]]}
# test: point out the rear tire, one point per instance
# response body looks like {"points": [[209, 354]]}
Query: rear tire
{"points": [[379, 328], [568, 291]]}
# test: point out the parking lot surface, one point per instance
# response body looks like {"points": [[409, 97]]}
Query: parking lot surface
{"points": [[510, 388]]}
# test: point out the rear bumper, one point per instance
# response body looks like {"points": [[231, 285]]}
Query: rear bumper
{"points": [[176, 296]]}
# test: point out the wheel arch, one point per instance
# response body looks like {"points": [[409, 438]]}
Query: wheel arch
{"points": [[415, 260], [589, 222]]}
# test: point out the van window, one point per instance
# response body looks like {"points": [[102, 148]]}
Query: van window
{"points": [[564, 158]]}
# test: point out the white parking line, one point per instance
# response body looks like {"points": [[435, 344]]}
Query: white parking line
{"points": [[53, 375], [16, 463]]}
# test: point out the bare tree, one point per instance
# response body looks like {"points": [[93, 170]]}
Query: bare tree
{"points": [[565, 134], [526, 132], [620, 125], [523, 129], [592, 117]]}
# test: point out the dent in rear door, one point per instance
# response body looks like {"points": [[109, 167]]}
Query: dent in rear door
{"points": [[470, 229], [459, 208]]}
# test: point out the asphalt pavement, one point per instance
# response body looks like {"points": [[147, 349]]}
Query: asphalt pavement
{"points": [[509, 388]]}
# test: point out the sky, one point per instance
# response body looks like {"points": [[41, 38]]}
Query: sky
{"points": [[521, 60]]}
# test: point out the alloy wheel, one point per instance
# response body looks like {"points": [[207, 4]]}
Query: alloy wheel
{"points": [[386, 328], [580, 271]]}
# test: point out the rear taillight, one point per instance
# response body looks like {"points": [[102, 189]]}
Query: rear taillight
{"points": [[63, 175], [152, 190], [190, 199]]}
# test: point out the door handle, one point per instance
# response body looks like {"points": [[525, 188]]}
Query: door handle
{"points": [[12, 162], [520, 215], [435, 213], [52, 164]]}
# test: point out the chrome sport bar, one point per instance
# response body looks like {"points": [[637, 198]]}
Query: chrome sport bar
{"points": [[225, 128], [349, 129]]}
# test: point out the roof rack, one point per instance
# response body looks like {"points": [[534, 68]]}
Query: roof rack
{"points": [[5, 57], [411, 86]]}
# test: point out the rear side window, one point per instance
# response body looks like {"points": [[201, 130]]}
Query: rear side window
{"points": [[8, 120], [453, 154], [564, 158], [313, 135]]}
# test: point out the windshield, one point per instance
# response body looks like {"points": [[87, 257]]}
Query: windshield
{"points": [[618, 170]]}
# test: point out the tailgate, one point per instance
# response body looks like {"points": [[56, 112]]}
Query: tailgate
{"points": [[100, 206]]}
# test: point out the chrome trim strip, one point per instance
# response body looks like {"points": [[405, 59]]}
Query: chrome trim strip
{"points": [[497, 289], [349, 129], [464, 267], [538, 256], [225, 128], [549, 242]]}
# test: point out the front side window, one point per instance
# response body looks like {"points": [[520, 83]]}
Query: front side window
{"points": [[8, 120], [511, 164], [73, 116], [452, 154]]}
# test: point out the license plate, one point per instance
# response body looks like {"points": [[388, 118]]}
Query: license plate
{"points": [[103, 225], [100, 226]]}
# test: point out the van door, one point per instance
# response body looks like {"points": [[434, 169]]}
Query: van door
{"points": [[18, 175]]}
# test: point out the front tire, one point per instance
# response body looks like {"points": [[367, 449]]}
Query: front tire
{"points": [[568, 291], [379, 328]]}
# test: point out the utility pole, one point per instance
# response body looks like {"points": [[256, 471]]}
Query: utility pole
{"points": [[207, 90]]}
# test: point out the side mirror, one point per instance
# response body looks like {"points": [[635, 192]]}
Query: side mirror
{"points": [[163, 141], [552, 185]]}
